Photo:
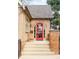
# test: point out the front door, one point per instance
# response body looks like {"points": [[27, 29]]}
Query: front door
{"points": [[39, 31]]}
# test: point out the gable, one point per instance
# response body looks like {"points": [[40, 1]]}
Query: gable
{"points": [[40, 11]]}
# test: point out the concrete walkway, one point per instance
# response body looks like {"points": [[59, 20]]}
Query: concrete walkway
{"points": [[37, 50]]}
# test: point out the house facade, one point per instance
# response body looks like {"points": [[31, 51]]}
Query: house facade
{"points": [[23, 24], [40, 21], [33, 22]]}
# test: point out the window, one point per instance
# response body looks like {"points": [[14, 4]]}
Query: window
{"points": [[27, 27], [44, 32], [34, 31]]}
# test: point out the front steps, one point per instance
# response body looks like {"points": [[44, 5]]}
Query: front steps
{"points": [[36, 48], [40, 57]]}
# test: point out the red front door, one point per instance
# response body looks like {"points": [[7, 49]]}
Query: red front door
{"points": [[39, 31]]}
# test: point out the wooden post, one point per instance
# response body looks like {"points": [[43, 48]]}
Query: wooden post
{"points": [[19, 48]]}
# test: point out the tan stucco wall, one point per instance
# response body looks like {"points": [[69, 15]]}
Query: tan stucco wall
{"points": [[46, 24], [22, 29]]}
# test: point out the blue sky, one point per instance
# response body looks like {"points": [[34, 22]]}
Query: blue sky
{"points": [[35, 2]]}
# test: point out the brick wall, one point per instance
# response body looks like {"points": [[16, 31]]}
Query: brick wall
{"points": [[46, 26], [54, 41]]}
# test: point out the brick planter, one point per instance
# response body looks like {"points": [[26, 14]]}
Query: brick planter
{"points": [[54, 41]]}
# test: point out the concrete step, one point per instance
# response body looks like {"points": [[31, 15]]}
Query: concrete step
{"points": [[36, 49], [36, 46], [40, 57], [37, 42], [37, 53]]}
